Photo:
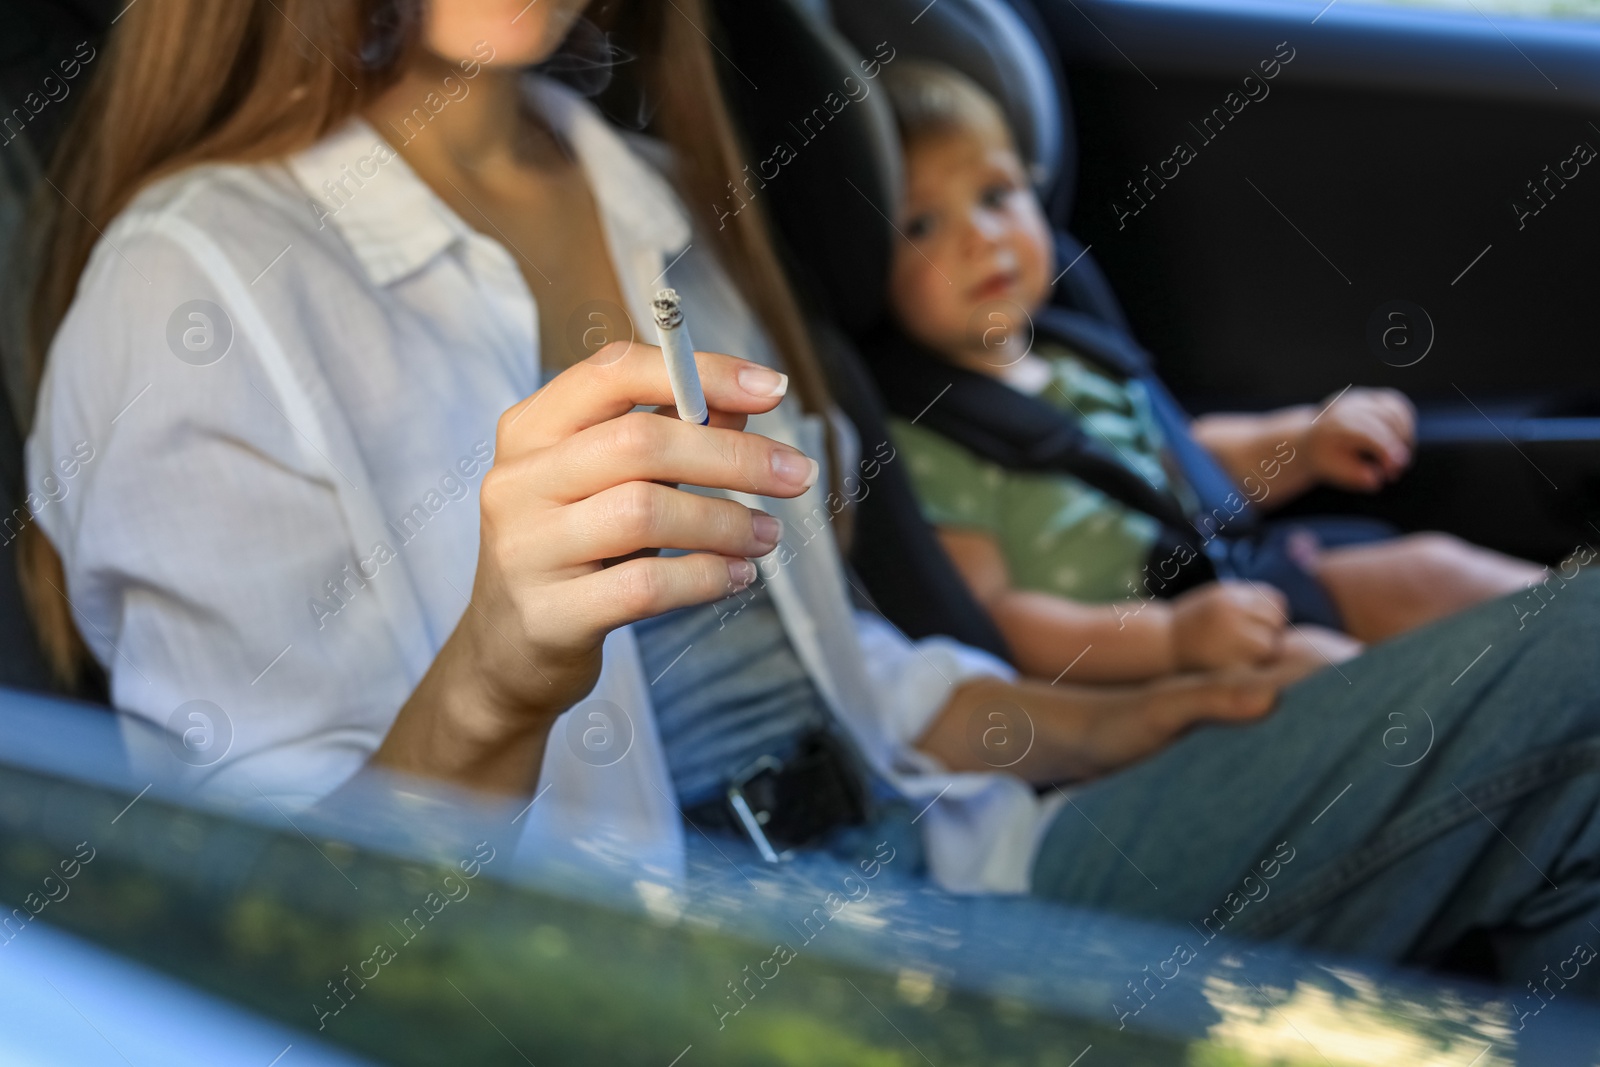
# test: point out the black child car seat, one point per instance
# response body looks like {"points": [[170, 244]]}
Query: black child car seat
{"points": [[35, 101], [832, 201], [825, 166]]}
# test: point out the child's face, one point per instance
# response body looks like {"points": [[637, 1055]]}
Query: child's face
{"points": [[978, 254]]}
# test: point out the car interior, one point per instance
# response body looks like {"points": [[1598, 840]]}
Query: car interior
{"points": [[1403, 155], [1429, 250]]}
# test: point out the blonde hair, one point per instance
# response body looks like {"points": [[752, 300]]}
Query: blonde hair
{"points": [[184, 82], [931, 99]]}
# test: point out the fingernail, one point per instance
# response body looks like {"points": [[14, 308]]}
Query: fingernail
{"points": [[795, 467], [741, 572], [759, 381], [767, 529]]}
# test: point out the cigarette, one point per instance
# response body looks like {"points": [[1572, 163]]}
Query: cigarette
{"points": [[687, 395]]}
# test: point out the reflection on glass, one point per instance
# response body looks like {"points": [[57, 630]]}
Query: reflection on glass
{"points": [[1349, 1019], [405, 924]]}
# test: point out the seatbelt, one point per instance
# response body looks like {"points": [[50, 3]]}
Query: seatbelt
{"points": [[896, 555], [1020, 432], [1008, 428], [1114, 350]]}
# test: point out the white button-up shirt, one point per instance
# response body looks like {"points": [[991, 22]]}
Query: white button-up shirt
{"points": [[286, 378]]}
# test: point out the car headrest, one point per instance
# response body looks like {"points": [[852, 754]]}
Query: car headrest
{"points": [[823, 157], [824, 153], [991, 43]]}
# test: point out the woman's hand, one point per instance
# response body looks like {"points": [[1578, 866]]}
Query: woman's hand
{"points": [[1047, 733], [581, 480], [1157, 714]]}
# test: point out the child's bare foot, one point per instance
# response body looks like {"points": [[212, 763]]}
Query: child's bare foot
{"points": [[1390, 587]]}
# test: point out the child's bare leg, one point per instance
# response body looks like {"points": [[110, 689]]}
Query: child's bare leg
{"points": [[1389, 587]]}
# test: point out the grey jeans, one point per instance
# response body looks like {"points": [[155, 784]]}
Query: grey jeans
{"points": [[1433, 801]]}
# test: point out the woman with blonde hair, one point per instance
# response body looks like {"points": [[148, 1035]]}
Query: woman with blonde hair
{"points": [[341, 300]]}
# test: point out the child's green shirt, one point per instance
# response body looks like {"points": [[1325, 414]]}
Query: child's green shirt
{"points": [[1057, 534]]}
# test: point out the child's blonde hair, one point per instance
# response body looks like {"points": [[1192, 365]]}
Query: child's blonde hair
{"points": [[930, 99]]}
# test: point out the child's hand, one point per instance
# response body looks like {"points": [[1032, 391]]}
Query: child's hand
{"points": [[1227, 624], [1363, 439]]}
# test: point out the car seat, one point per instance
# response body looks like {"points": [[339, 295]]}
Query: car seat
{"points": [[784, 69], [832, 206], [39, 33]]}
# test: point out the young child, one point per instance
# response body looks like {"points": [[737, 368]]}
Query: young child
{"points": [[1055, 561]]}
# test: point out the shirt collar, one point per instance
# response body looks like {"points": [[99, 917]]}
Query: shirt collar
{"points": [[395, 224]]}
